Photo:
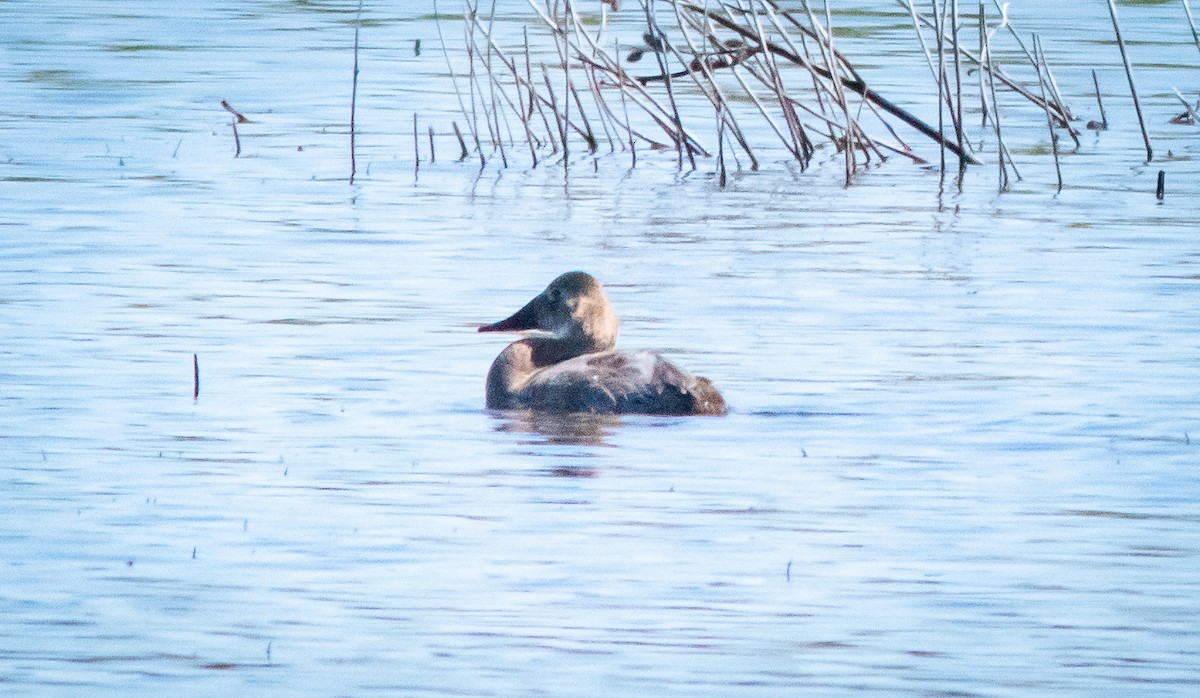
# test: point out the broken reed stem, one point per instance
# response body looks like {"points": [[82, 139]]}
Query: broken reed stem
{"points": [[721, 177], [701, 73], [912, 10], [1137, 107], [659, 55], [797, 141], [939, 19], [353, 92], [1054, 96], [562, 116], [832, 75], [237, 142], [553, 104], [604, 112], [241, 119], [983, 103], [1191, 23], [196, 375], [472, 15], [851, 160], [1004, 79], [1039, 61], [564, 54], [534, 102], [1099, 102], [958, 100], [1190, 110], [587, 124], [625, 109], [496, 111], [473, 117], [855, 85], [717, 95], [416, 148], [830, 56], [985, 62], [490, 119], [432, 151], [1160, 190], [601, 109], [461, 143], [462, 107]]}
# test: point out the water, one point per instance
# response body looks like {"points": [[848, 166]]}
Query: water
{"points": [[961, 458]]}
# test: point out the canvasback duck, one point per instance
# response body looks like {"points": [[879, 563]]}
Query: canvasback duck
{"points": [[571, 364]]}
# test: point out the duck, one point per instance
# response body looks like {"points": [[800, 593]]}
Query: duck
{"points": [[568, 361]]}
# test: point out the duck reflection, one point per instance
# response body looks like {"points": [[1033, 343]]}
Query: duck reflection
{"points": [[570, 428]]}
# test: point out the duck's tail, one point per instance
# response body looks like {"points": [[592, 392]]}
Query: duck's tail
{"points": [[708, 402]]}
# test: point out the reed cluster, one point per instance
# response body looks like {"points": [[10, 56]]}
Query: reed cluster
{"points": [[707, 74]]}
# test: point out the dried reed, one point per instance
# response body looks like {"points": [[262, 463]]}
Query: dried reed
{"points": [[1189, 110], [416, 149], [1039, 64], [354, 88], [746, 59], [1103, 124], [1191, 23], [353, 92], [1137, 106]]}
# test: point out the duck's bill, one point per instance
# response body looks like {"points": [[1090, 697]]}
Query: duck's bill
{"points": [[523, 320]]}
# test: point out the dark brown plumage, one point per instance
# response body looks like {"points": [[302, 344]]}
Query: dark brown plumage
{"points": [[577, 369]]}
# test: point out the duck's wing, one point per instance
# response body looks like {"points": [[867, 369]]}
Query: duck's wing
{"points": [[628, 383]]}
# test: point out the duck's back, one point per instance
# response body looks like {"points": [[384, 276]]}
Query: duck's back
{"points": [[617, 382]]}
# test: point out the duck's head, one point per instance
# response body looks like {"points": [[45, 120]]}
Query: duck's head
{"points": [[573, 309]]}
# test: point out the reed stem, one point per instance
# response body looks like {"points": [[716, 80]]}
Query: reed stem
{"points": [[1137, 106], [353, 94], [1039, 62], [1099, 102], [1191, 23]]}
